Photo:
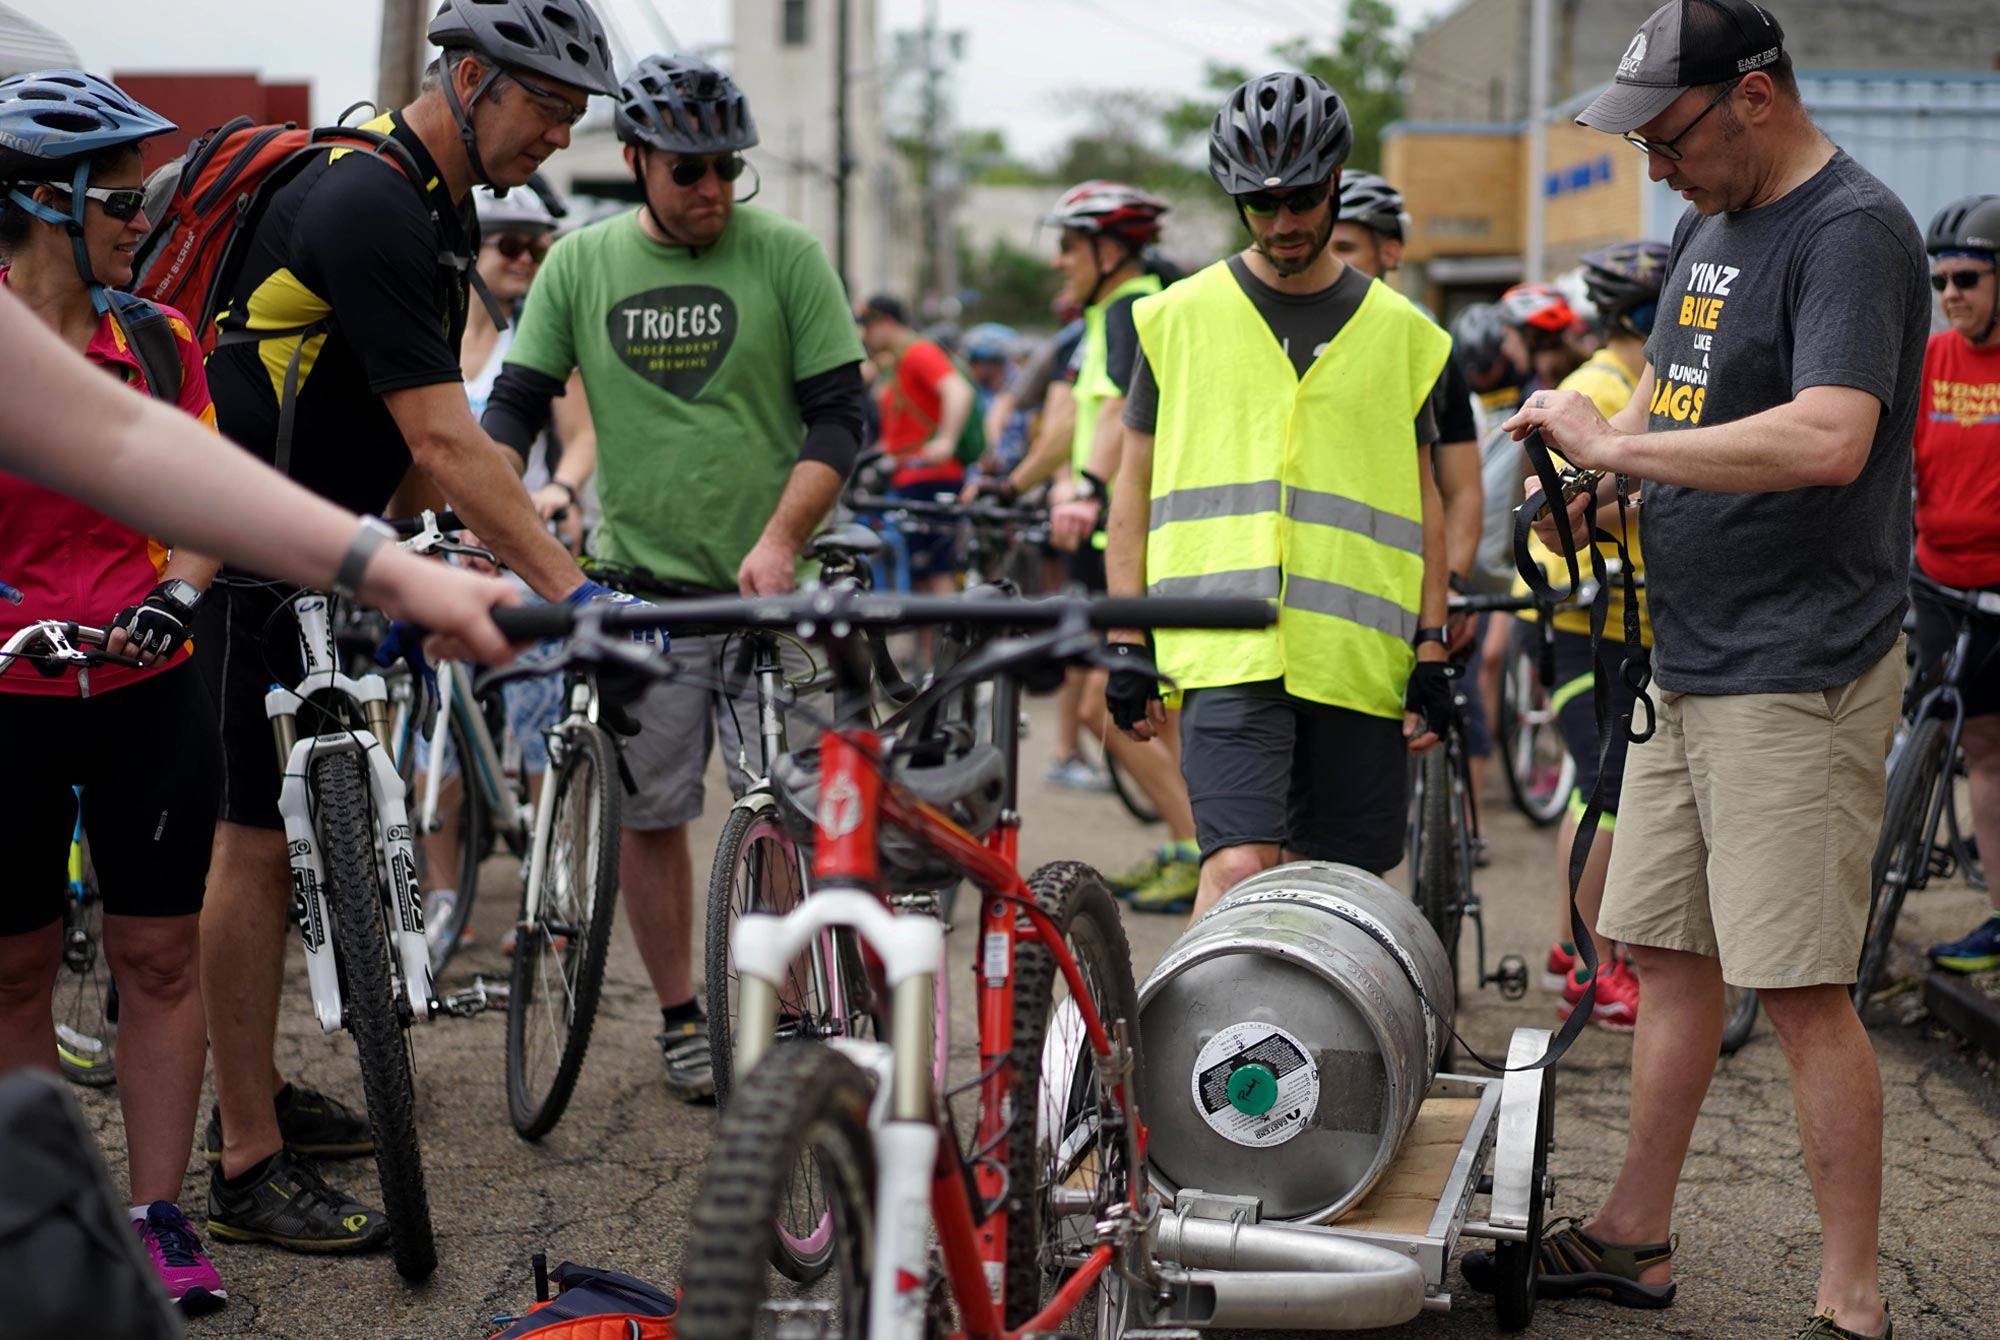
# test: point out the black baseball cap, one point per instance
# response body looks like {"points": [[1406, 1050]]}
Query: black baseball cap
{"points": [[884, 305], [1684, 45]]}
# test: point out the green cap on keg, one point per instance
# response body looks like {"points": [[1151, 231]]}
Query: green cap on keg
{"points": [[1252, 1089]]}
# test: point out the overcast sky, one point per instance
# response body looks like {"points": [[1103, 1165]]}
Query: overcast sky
{"points": [[1021, 54]]}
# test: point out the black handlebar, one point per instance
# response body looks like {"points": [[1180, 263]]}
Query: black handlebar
{"points": [[980, 509], [866, 610]]}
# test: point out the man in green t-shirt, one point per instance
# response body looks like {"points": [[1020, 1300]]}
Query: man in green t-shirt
{"points": [[724, 379]]}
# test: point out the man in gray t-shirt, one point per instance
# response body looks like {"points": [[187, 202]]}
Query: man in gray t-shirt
{"points": [[1770, 438]]}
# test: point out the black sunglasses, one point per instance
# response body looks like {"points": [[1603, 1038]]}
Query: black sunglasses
{"points": [[554, 107], [1299, 199], [1665, 148], [688, 171], [120, 203], [514, 245], [1962, 280]]}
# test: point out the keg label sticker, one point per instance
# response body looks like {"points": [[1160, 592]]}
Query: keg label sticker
{"points": [[1255, 1085]]}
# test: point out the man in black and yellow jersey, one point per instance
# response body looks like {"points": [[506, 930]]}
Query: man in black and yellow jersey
{"points": [[1278, 444], [1624, 285], [374, 265]]}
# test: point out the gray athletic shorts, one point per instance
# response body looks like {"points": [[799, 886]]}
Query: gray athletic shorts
{"points": [[1263, 766], [679, 721]]}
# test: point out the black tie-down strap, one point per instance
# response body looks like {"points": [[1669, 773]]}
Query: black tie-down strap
{"points": [[1558, 488]]}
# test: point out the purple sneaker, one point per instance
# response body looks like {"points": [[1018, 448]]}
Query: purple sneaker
{"points": [[180, 1259]]}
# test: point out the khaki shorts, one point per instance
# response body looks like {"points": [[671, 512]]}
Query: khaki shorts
{"points": [[678, 724], [1748, 825]]}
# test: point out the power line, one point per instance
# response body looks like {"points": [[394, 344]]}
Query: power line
{"points": [[1140, 29]]}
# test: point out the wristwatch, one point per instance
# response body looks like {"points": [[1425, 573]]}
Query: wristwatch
{"points": [[181, 592], [372, 535], [1436, 635]]}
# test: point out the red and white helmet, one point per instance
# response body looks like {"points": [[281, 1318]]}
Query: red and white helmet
{"points": [[1537, 305], [1111, 208]]}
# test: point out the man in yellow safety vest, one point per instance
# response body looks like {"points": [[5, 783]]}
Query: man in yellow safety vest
{"points": [[1278, 439]]}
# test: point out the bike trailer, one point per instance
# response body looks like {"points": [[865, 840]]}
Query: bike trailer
{"points": [[593, 1305]]}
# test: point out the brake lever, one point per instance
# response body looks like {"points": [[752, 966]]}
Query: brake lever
{"points": [[457, 550]]}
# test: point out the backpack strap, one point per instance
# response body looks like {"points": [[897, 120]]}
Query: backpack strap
{"points": [[150, 336]]}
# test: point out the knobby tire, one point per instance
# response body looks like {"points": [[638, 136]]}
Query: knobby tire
{"points": [[805, 1105], [371, 992]]}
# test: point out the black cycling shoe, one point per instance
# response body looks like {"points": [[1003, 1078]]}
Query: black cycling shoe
{"points": [[311, 1124], [291, 1206]]}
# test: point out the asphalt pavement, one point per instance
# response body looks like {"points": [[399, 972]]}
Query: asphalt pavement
{"points": [[612, 1185]]}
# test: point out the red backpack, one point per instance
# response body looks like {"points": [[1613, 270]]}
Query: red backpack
{"points": [[592, 1305], [206, 204]]}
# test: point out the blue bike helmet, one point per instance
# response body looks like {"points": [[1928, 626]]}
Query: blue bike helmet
{"points": [[52, 124], [990, 342]]}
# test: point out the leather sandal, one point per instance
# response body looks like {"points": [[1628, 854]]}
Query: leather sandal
{"points": [[1574, 1264]]}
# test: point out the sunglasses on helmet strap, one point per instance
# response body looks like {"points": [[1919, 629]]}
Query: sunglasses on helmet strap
{"points": [[688, 171], [1299, 199], [120, 203]]}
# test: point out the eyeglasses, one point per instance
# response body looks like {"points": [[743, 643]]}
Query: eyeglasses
{"points": [[515, 245], [554, 107], [688, 171], [1299, 199], [120, 203], [1962, 280], [1665, 148]]}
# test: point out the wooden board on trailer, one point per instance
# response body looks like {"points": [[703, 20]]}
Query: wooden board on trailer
{"points": [[1407, 1197]]}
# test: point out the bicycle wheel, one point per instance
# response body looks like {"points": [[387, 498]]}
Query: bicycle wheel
{"points": [[1739, 1017], [1136, 802], [1080, 1159], [559, 948], [475, 840], [1441, 865], [1540, 772], [373, 992], [757, 868], [795, 1146], [86, 999], [1903, 852]]}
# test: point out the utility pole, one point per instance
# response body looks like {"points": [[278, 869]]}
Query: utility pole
{"points": [[843, 156], [1534, 258], [398, 65], [935, 52]]}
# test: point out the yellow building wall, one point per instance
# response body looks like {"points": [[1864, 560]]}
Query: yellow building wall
{"points": [[1463, 192]]}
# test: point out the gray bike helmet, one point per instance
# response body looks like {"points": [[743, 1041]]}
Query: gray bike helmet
{"points": [[1477, 334], [560, 40], [683, 105], [1278, 131], [1368, 200], [1971, 223], [557, 39]]}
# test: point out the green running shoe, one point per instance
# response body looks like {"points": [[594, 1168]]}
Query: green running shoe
{"points": [[311, 1123], [1171, 890], [1138, 875]]}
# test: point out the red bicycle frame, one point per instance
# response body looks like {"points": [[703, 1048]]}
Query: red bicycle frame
{"points": [[855, 804]]}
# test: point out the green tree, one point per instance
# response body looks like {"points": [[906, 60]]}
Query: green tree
{"points": [[1123, 139], [1365, 66], [1005, 284]]}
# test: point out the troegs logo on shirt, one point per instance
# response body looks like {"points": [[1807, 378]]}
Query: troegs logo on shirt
{"points": [[674, 337]]}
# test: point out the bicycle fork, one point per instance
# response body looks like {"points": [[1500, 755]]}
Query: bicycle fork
{"points": [[906, 1133], [391, 823]]}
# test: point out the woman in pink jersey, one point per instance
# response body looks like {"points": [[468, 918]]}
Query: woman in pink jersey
{"points": [[139, 741]]}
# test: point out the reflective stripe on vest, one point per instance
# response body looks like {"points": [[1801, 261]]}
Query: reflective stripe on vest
{"points": [[1303, 490], [1093, 381]]}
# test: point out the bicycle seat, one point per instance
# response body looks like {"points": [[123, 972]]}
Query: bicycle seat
{"points": [[968, 789], [852, 539]]}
